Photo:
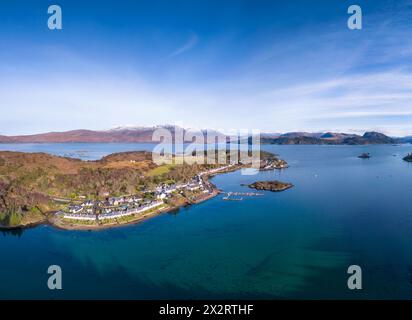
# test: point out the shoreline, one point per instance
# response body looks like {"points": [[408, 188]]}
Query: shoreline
{"points": [[99, 227], [54, 222], [25, 226]]}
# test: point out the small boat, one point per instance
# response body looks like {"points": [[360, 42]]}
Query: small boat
{"points": [[365, 155]]}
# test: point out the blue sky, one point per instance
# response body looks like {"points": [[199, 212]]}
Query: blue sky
{"points": [[271, 65]]}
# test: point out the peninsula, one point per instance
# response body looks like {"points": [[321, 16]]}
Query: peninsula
{"points": [[117, 189]]}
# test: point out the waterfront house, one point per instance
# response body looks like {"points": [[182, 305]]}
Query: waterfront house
{"points": [[161, 195], [84, 217], [75, 209]]}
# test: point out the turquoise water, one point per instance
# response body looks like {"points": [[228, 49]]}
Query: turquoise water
{"points": [[295, 244]]}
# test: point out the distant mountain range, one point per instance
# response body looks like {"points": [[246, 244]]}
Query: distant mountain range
{"points": [[116, 135], [407, 139], [144, 135], [332, 138]]}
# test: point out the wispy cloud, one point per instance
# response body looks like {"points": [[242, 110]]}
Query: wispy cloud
{"points": [[189, 44]]}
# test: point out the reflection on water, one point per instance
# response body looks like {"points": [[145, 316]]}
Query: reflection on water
{"points": [[13, 232]]}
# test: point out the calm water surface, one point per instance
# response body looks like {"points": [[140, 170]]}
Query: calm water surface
{"points": [[296, 244]]}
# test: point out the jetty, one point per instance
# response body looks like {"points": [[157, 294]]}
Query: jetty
{"points": [[238, 196]]}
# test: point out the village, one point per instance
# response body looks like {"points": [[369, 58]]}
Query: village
{"points": [[112, 208]]}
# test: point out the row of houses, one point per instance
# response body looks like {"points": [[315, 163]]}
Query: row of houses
{"points": [[113, 214], [89, 205], [117, 207], [120, 214], [216, 170], [165, 191], [83, 217], [197, 183], [115, 201]]}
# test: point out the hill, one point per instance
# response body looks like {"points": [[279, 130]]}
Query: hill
{"points": [[145, 134], [330, 138], [121, 134]]}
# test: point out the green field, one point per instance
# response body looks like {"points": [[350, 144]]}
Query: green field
{"points": [[160, 170]]}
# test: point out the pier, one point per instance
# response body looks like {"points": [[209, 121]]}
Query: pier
{"points": [[238, 196]]}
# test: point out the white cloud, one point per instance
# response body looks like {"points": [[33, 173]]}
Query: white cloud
{"points": [[104, 101]]}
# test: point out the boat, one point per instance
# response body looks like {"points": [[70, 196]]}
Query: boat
{"points": [[365, 155]]}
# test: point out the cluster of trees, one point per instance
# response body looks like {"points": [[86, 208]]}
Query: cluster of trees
{"points": [[10, 218]]}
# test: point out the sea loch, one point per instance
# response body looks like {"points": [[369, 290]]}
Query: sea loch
{"points": [[297, 244]]}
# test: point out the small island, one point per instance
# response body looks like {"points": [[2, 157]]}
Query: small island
{"points": [[274, 186], [408, 158]]}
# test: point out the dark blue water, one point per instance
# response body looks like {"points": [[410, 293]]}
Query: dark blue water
{"points": [[295, 244]]}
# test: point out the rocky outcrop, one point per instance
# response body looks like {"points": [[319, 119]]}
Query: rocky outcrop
{"points": [[408, 158]]}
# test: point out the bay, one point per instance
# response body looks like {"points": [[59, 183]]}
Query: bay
{"points": [[295, 244]]}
